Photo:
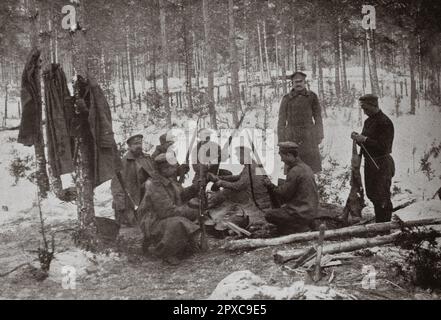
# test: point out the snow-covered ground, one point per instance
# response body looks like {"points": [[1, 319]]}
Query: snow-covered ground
{"points": [[414, 134]]}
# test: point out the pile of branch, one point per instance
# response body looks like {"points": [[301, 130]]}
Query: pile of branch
{"points": [[353, 231], [345, 246]]}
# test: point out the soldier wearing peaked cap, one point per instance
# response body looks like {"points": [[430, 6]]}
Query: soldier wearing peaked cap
{"points": [[166, 219], [166, 140], [376, 140], [299, 194], [300, 121], [136, 168]]}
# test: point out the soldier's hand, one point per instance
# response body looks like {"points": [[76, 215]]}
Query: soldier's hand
{"points": [[219, 183], [213, 178], [184, 168], [358, 137]]}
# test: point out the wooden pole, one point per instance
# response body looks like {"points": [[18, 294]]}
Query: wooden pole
{"points": [[352, 231]]}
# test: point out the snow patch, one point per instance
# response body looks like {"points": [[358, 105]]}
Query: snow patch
{"points": [[246, 285]]}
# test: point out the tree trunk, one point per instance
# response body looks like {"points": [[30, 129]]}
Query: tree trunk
{"points": [[40, 157], [84, 180], [344, 80], [262, 78], [188, 53], [375, 88], [130, 71], [337, 64], [164, 61], [364, 67], [234, 65], [268, 69], [282, 53], [352, 231], [209, 63], [413, 89]]}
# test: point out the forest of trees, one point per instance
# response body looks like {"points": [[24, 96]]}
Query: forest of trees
{"points": [[242, 41], [135, 48]]}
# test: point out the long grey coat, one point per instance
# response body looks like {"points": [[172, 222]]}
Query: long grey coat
{"points": [[300, 120]]}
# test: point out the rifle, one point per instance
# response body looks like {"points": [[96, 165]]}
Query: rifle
{"points": [[187, 156], [203, 203], [273, 198], [123, 186], [230, 138]]}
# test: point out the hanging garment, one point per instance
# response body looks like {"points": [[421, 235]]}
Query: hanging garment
{"points": [[99, 123], [59, 112], [30, 123]]}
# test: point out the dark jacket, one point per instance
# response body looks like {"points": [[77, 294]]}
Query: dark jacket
{"points": [[135, 172], [300, 120], [106, 157], [30, 95], [379, 131], [59, 112], [299, 192]]}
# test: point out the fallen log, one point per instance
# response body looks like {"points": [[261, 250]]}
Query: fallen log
{"points": [[350, 245], [352, 231]]}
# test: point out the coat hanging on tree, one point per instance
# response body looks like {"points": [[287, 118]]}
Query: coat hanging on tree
{"points": [[59, 112], [30, 101], [99, 123]]}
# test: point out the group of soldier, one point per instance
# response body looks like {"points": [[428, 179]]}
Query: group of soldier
{"points": [[154, 198]]}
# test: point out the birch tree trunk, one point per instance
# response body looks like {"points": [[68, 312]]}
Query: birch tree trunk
{"points": [[164, 61], [279, 27], [262, 78], [372, 62], [188, 52], [234, 64], [412, 67], [268, 69], [344, 80], [209, 63], [40, 157], [337, 65]]}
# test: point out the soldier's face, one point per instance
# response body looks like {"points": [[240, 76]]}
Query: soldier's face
{"points": [[136, 148], [369, 109], [299, 83], [168, 170]]}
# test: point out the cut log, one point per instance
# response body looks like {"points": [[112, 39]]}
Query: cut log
{"points": [[353, 231], [351, 245]]}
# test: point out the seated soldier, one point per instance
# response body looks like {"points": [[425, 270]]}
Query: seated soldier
{"points": [[243, 187], [299, 194], [166, 220], [136, 168], [208, 152], [166, 140]]}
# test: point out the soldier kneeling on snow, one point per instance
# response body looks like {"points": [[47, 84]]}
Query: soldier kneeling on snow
{"points": [[165, 217], [299, 194]]}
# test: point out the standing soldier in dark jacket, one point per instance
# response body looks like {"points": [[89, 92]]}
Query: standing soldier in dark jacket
{"points": [[376, 141], [299, 194], [136, 168], [300, 121]]}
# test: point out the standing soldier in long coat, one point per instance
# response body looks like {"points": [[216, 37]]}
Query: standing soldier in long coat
{"points": [[376, 141], [300, 121], [136, 168]]}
